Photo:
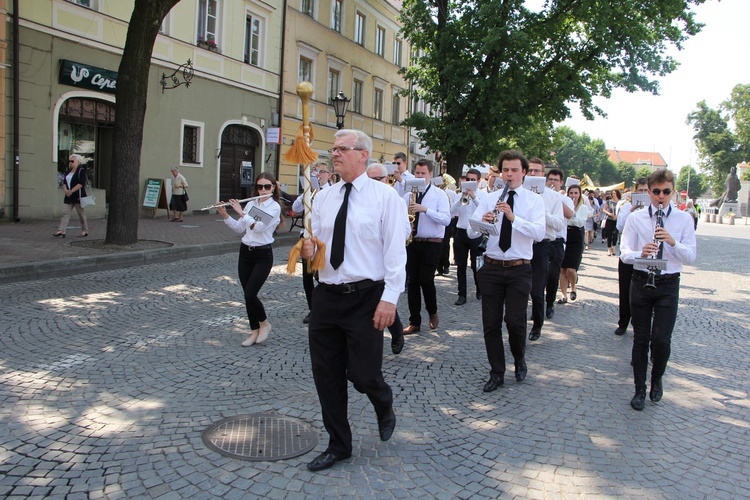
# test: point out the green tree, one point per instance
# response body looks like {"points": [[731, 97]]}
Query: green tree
{"points": [[691, 181], [717, 145], [626, 172], [536, 140], [643, 172], [130, 112], [738, 107], [489, 69], [579, 154]]}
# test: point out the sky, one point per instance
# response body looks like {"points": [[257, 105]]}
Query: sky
{"points": [[711, 64]]}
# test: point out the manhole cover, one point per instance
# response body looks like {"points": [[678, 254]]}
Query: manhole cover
{"points": [[260, 436]]}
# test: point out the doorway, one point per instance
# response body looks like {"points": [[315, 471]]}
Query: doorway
{"points": [[238, 144]]}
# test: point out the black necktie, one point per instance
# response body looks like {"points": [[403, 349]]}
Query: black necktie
{"points": [[506, 228], [339, 230], [420, 197]]}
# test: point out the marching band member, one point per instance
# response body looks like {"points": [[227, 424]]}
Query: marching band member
{"points": [[557, 246], [402, 173], [432, 213], [464, 247], [505, 276], [256, 252], [654, 309]]}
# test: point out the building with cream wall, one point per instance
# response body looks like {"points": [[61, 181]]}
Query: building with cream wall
{"points": [[208, 129], [351, 46]]}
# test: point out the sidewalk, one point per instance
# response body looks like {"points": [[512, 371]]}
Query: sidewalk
{"points": [[30, 252]]}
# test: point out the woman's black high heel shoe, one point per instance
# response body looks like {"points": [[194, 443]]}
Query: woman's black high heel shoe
{"points": [[59, 234]]}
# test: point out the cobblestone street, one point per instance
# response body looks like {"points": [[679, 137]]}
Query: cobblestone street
{"points": [[108, 379]]}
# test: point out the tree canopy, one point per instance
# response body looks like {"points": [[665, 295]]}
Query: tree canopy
{"points": [[488, 69]]}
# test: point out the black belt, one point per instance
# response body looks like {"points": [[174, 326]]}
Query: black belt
{"points": [[428, 240], [658, 277], [545, 240], [506, 263], [261, 247], [560, 239], [357, 286]]}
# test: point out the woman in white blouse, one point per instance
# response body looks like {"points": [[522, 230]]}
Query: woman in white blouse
{"points": [[573, 245], [256, 252]]}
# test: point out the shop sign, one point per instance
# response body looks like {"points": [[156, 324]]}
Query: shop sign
{"points": [[87, 77]]}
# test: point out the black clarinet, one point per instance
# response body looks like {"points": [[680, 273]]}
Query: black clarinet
{"points": [[651, 280]]}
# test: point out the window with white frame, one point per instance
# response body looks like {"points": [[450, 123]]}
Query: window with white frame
{"points": [[308, 7], [165, 25], [396, 108], [380, 41], [191, 142], [336, 6], [305, 69], [208, 21], [91, 4], [253, 37], [359, 28], [377, 104], [397, 49], [334, 84], [357, 96]]}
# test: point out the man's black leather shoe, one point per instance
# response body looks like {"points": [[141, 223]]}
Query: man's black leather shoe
{"points": [[639, 400], [550, 312], [386, 425], [656, 391], [493, 383], [479, 295], [461, 300], [306, 319], [397, 344], [521, 371], [620, 330], [326, 460], [534, 335]]}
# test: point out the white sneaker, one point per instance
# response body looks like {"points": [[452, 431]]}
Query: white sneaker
{"points": [[252, 339], [264, 331]]}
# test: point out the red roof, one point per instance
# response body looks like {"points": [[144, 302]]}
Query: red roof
{"points": [[637, 158]]}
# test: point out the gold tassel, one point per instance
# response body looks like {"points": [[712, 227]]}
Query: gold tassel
{"points": [[300, 152], [294, 253], [318, 261]]}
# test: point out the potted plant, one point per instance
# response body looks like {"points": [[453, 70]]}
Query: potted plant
{"points": [[209, 44], [730, 217]]}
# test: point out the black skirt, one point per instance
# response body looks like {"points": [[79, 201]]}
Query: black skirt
{"points": [[178, 203], [573, 248]]}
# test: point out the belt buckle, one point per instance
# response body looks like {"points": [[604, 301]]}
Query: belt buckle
{"points": [[509, 263], [348, 288]]}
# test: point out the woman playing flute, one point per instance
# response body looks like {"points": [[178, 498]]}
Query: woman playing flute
{"points": [[256, 252]]}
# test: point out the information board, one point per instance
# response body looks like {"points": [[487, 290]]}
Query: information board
{"points": [[153, 190]]}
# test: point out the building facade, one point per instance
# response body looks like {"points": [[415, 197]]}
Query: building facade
{"points": [[349, 46], [69, 54]]}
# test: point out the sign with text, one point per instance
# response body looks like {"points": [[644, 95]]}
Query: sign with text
{"points": [[273, 135], [87, 77], [153, 190]]}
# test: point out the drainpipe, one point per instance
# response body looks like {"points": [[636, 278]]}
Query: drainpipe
{"points": [[280, 109], [16, 105]]}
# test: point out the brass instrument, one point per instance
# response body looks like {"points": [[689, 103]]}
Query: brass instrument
{"points": [[651, 279], [391, 180], [412, 215]]}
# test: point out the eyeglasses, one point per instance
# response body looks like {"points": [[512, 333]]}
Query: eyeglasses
{"points": [[323, 172], [262, 187], [378, 178], [343, 149], [658, 191], [552, 179]]}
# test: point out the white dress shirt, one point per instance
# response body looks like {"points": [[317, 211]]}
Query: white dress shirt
{"points": [[563, 233], [553, 213], [639, 230], [464, 212], [580, 215], [256, 233], [399, 186], [528, 224], [438, 215], [622, 215], [298, 207], [372, 249]]}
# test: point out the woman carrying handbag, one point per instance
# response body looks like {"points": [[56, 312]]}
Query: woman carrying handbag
{"points": [[74, 184]]}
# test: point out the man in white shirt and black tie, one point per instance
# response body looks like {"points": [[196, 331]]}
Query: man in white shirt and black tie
{"points": [[654, 309], [505, 277], [464, 247], [360, 222], [432, 213]]}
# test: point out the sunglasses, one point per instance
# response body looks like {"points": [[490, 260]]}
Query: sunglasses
{"points": [[262, 187], [397, 162], [658, 191], [71, 161], [378, 178]]}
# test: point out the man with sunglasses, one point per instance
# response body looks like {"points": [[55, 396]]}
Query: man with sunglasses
{"points": [[555, 179], [464, 247], [356, 299], [654, 310], [402, 173]]}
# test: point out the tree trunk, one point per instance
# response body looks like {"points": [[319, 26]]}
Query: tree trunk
{"points": [[130, 112], [455, 162]]}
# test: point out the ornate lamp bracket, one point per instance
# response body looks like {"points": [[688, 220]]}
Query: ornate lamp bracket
{"points": [[173, 81]]}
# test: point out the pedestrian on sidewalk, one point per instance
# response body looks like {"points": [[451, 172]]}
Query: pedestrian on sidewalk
{"points": [[256, 252], [74, 184], [178, 204]]}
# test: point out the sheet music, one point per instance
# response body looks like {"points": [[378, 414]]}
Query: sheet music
{"points": [[483, 227], [259, 215], [534, 184]]}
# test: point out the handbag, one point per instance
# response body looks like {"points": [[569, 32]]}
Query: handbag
{"points": [[187, 198], [87, 201]]}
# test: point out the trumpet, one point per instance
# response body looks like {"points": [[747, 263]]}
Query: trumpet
{"points": [[465, 199], [651, 279], [226, 203], [391, 180], [502, 198]]}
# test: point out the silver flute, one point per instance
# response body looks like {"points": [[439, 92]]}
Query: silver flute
{"points": [[226, 203]]}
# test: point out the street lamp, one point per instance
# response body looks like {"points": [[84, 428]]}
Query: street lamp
{"points": [[340, 103]]}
